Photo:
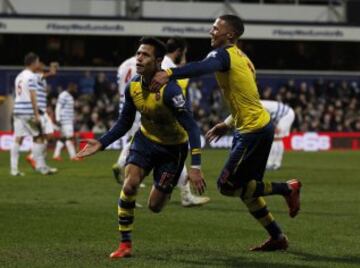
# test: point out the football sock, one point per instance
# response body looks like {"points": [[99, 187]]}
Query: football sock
{"points": [[70, 148], [58, 148], [183, 180], [272, 155], [279, 152], [262, 188], [14, 156], [257, 208], [38, 153], [126, 208], [185, 191]]}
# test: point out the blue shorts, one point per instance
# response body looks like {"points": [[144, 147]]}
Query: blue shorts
{"points": [[247, 159], [166, 161]]}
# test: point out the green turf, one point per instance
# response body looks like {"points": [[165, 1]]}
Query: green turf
{"points": [[69, 219]]}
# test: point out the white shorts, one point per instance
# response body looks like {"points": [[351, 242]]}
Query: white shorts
{"points": [[67, 131], [284, 125], [24, 125], [46, 124]]}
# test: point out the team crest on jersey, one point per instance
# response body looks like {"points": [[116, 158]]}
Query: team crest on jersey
{"points": [[179, 101]]}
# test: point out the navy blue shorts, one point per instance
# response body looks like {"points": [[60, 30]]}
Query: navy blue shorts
{"points": [[247, 159], [166, 161]]}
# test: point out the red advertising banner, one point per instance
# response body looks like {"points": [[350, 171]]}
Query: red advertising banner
{"points": [[323, 141]]}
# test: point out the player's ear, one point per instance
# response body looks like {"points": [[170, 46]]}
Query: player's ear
{"points": [[230, 35]]}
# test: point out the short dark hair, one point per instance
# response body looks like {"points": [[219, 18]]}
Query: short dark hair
{"points": [[235, 22], [160, 48], [30, 58], [175, 43]]}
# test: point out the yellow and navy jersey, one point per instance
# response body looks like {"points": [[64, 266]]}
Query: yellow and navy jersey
{"points": [[235, 74], [158, 122], [165, 116]]}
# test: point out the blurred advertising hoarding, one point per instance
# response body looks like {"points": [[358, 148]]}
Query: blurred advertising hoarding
{"points": [[309, 141]]}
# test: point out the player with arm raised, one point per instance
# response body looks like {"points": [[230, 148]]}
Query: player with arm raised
{"points": [[242, 175], [160, 145]]}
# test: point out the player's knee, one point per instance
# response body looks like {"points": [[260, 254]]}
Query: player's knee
{"points": [[129, 188]]}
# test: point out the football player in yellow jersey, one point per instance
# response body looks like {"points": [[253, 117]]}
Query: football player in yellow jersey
{"points": [[160, 145], [242, 175]]}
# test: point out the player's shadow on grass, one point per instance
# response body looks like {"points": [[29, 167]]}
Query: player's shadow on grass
{"points": [[312, 257], [209, 258]]}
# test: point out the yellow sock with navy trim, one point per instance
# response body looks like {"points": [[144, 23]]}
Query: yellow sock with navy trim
{"points": [[263, 188], [126, 208], [258, 209]]}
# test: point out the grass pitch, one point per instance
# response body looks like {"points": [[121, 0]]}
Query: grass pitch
{"points": [[69, 219]]}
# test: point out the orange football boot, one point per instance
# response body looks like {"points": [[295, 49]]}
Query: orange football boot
{"points": [[124, 251]]}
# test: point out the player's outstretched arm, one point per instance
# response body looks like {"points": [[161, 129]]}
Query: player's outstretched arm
{"points": [[92, 146]]}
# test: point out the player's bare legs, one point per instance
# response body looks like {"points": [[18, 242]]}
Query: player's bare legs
{"points": [[157, 200], [126, 206]]}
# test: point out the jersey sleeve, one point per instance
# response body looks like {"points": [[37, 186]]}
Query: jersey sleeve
{"points": [[123, 124], [175, 100], [217, 60]]}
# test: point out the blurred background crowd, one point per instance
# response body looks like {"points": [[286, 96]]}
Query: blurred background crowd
{"points": [[319, 104]]}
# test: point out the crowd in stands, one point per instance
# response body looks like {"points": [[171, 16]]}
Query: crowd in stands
{"points": [[96, 103], [321, 105]]}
